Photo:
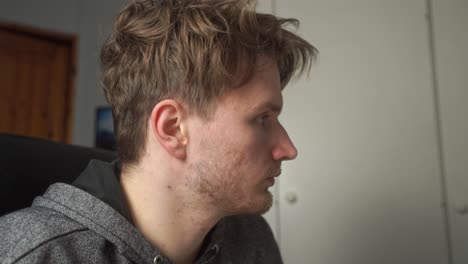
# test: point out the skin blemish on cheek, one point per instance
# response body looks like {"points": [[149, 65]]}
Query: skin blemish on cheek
{"points": [[169, 187]]}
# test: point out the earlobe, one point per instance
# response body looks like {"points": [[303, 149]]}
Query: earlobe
{"points": [[168, 127]]}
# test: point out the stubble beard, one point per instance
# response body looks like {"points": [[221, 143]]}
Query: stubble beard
{"points": [[219, 186]]}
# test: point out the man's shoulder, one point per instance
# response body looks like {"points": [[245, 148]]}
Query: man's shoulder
{"points": [[30, 229], [36, 221]]}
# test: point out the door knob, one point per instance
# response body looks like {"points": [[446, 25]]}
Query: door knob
{"points": [[291, 197]]}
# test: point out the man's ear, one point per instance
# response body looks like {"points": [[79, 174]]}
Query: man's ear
{"points": [[168, 127]]}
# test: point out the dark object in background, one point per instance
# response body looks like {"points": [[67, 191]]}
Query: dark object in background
{"points": [[29, 165], [104, 129]]}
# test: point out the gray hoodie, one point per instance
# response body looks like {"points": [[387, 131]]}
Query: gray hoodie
{"points": [[70, 225]]}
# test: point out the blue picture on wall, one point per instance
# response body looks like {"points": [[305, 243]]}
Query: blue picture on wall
{"points": [[105, 138]]}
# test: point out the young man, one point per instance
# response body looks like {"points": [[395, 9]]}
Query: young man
{"points": [[195, 88]]}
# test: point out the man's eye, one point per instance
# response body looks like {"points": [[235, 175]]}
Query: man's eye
{"points": [[261, 120]]}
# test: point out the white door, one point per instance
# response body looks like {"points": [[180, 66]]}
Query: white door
{"points": [[450, 20], [367, 178]]}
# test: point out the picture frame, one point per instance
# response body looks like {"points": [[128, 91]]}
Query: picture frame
{"points": [[104, 129]]}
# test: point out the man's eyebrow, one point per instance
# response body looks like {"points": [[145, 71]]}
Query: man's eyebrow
{"points": [[270, 106]]}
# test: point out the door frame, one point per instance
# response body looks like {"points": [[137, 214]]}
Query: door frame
{"points": [[69, 40]]}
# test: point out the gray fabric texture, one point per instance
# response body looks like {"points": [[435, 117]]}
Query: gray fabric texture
{"points": [[69, 225]]}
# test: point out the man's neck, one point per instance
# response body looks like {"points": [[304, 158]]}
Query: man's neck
{"points": [[171, 222]]}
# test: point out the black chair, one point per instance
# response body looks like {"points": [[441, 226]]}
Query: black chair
{"points": [[29, 165]]}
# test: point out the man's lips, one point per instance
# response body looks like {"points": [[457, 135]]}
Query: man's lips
{"points": [[271, 180]]}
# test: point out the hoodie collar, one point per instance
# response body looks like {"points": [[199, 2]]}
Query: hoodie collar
{"points": [[102, 180]]}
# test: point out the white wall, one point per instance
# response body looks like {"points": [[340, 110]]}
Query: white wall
{"points": [[58, 15], [367, 175], [88, 19], [451, 44], [95, 23]]}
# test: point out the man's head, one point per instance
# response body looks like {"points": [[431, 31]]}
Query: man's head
{"points": [[189, 50]]}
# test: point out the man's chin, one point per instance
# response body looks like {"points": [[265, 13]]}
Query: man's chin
{"points": [[260, 206], [268, 204], [264, 205]]}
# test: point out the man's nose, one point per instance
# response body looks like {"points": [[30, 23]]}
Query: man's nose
{"points": [[284, 149]]}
